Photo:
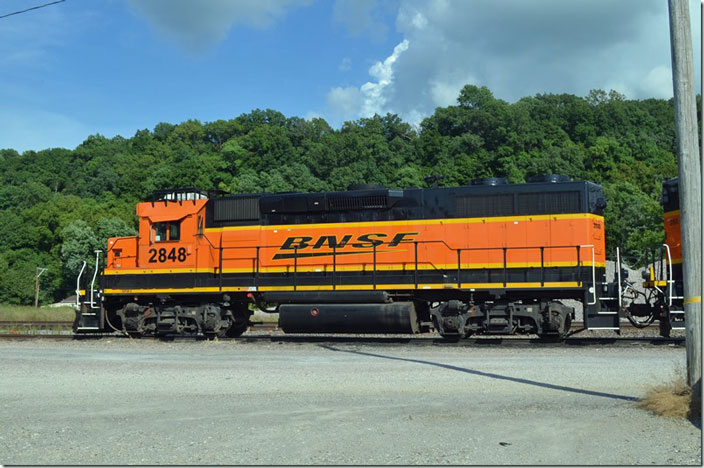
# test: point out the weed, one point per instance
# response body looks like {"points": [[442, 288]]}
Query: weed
{"points": [[671, 400]]}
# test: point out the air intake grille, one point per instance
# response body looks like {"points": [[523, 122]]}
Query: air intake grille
{"points": [[358, 202], [473, 206], [236, 209], [549, 203]]}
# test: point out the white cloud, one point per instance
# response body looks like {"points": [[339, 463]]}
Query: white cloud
{"points": [[360, 17], [520, 48], [658, 82], [371, 97], [198, 25], [345, 103]]}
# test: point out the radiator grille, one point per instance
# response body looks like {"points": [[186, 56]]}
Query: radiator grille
{"points": [[473, 206], [358, 202], [236, 209], [549, 203]]}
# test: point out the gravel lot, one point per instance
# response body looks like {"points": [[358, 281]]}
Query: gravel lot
{"points": [[117, 401]]}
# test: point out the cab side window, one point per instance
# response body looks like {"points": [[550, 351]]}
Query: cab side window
{"points": [[168, 231], [160, 232], [174, 231], [200, 225]]}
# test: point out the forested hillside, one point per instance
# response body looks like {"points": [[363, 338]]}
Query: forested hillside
{"points": [[58, 205]]}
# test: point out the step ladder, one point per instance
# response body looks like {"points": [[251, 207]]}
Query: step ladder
{"points": [[89, 317], [677, 319]]}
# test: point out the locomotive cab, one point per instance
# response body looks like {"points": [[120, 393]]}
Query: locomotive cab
{"points": [[168, 229]]}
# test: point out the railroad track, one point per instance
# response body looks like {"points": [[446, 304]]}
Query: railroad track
{"points": [[262, 326], [261, 332], [484, 342]]}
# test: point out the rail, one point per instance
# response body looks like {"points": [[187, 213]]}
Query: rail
{"points": [[670, 281], [257, 263]]}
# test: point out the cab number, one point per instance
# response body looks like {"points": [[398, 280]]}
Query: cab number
{"points": [[161, 255]]}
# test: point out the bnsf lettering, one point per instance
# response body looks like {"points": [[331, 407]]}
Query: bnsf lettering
{"points": [[400, 238], [296, 243], [331, 242], [363, 241], [367, 241]]}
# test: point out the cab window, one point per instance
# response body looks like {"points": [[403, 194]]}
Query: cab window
{"points": [[168, 231], [200, 225], [174, 231]]}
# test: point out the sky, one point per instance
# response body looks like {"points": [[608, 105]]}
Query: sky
{"points": [[112, 67]]}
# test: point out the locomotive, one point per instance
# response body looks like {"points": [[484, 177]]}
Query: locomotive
{"points": [[485, 258], [662, 295]]}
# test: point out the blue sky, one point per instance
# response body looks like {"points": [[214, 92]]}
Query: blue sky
{"points": [[113, 67]]}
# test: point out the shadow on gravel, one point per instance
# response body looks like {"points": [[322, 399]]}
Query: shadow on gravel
{"points": [[488, 374]]}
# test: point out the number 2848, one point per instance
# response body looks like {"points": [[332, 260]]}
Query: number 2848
{"points": [[173, 255]]}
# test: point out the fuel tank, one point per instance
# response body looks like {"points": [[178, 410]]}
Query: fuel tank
{"points": [[397, 317]]}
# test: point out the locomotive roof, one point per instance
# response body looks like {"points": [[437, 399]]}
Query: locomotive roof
{"points": [[382, 204]]}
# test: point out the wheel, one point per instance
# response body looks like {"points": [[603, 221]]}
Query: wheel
{"points": [[236, 330]]}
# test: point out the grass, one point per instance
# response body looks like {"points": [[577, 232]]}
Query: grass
{"points": [[670, 400], [16, 313], [259, 316]]}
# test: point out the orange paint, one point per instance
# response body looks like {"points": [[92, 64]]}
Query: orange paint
{"points": [[481, 242]]}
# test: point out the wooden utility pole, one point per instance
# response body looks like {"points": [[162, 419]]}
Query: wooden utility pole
{"points": [[690, 189], [36, 286]]}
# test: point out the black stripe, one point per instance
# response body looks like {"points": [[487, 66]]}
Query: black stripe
{"points": [[318, 254], [494, 276]]}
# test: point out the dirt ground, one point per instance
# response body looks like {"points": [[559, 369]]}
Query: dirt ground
{"points": [[117, 401]]}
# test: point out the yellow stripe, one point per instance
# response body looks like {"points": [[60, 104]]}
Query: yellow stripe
{"points": [[693, 300], [415, 222], [361, 287], [160, 271], [178, 290], [408, 267], [672, 213]]}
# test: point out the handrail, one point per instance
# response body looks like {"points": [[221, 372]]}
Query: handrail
{"points": [[257, 261], [78, 285], [618, 275], [415, 262], [95, 273], [463, 249], [670, 281], [593, 272]]}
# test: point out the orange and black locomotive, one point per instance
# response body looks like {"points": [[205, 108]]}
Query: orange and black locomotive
{"points": [[488, 257]]}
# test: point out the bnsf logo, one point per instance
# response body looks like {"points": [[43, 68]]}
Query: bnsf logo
{"points": [[304, 246]]}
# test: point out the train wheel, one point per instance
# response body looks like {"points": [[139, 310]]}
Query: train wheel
{"points": [[240, 320], [236, 329]]}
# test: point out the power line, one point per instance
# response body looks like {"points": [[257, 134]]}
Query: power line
{"points": [[30, 9]]}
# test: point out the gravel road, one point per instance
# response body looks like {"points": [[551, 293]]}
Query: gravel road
{"points": [[117, 401]]}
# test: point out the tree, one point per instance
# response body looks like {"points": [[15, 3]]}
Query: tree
{"points": [[79, 245]]}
